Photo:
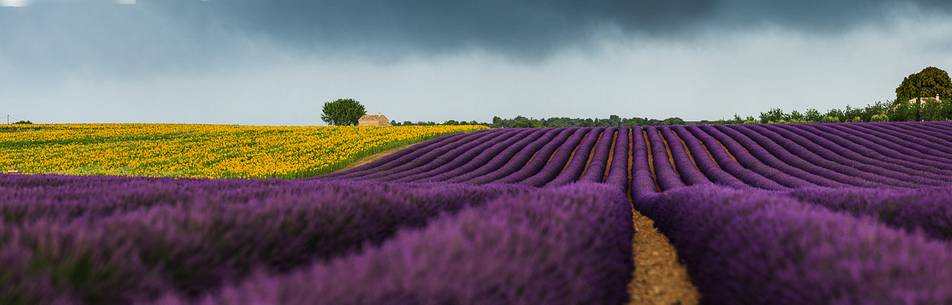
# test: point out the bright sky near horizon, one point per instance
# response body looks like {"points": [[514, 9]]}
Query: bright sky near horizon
{"points": [[275, 62]]}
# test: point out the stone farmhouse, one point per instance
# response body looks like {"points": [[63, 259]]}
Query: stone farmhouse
{"points": [[373, 120]]}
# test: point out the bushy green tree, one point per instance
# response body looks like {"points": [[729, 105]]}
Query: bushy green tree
{"points": [[524, 122], [795, 117], [830, 119], [343, 112], [878, 108], [812, 115], [773, 116], [836, 114], [929, 82]]}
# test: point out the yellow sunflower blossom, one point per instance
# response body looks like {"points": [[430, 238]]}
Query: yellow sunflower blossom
{"points": [[199, 151]]}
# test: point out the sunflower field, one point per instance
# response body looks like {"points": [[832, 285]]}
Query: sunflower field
{"points": [[199, 151]]}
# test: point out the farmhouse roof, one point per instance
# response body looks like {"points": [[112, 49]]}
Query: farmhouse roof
{"points": [[373, 117]]}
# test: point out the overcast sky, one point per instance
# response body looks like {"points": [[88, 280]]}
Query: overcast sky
{"points": [[275, 62]]}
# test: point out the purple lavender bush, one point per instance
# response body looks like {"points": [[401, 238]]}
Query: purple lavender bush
{"points": [[192, 240], [568, 245], [927, 210], [753, 247]]}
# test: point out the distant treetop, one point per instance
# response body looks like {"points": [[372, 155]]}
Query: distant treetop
{"points": [[930, 82], [343, 112]]}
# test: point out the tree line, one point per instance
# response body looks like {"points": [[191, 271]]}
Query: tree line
{"points": [[611, 121], [556, 122], [922, 96], [344, 112]]}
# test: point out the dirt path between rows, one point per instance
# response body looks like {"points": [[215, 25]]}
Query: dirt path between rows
{"points": [[659, 278]]}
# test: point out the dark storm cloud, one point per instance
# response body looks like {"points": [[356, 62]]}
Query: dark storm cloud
{"points": [[274, 61], [522, 28], [517, 27], [77, 36]]}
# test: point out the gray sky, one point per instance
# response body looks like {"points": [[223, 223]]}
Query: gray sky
{"points": [[275, 62]]}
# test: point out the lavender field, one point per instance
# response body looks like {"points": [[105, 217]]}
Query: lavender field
{"points": [[759, 214]]}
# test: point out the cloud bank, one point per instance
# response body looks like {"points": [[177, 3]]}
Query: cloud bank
{"points": [[233, 60]]}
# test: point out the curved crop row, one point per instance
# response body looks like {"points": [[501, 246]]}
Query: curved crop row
{"points": [[771, 157], [744, 247], [63, 243], [567, 245]]}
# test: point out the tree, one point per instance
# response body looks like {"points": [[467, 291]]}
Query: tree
{"points": [[524, 122], [812, 115], [614, 121], [879, 108], [929, 82], [773, 116], [343, 112], [879, 118], [795, 117], [834, 115]]}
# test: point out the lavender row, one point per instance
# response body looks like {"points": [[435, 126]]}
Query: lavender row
{"points": [[198, 241], [927, 210], [568, 245], [498, 161], [462, 164], [748, 160], [685, 163], [705, 161], [856, 143], [840, 152], [453, 158], [618, 172], [664, 170], [780, 159], [829, 159], [920, 140], [595, 172], [401, 156], [521, 171], [880, 140], [573, 170], [758, 247], [556, 163], [728, 162], [770, 157], [435, 155], [541, 148]]}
